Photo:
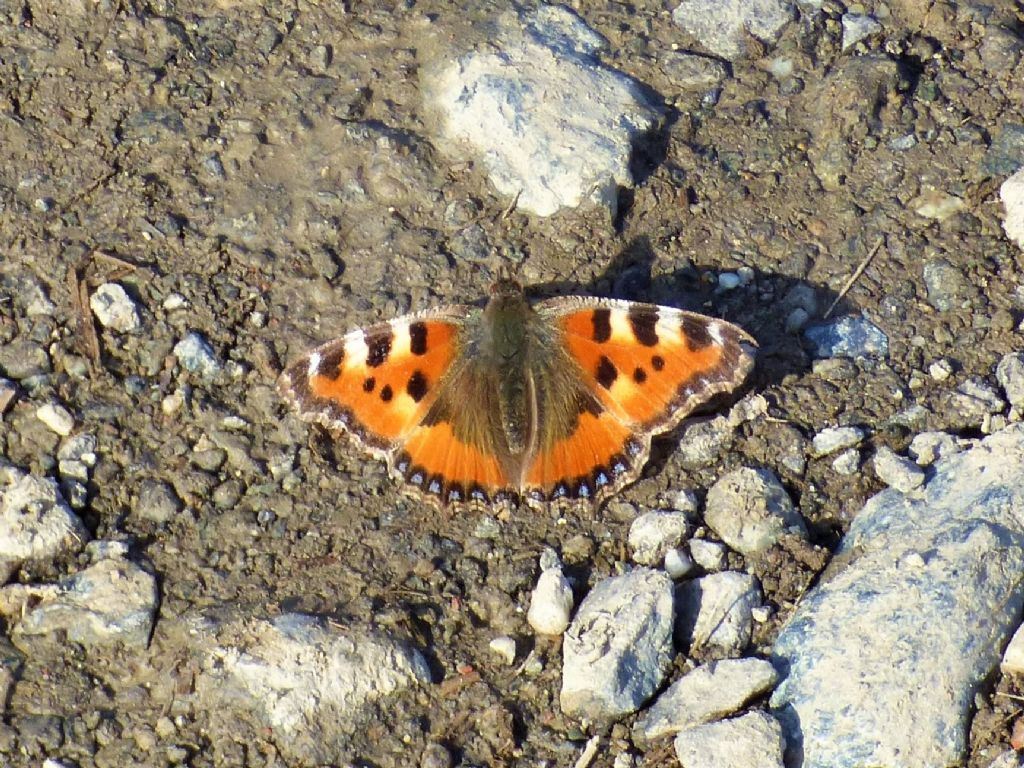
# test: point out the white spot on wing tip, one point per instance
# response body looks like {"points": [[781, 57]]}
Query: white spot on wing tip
{"points": [[314, 363], [715, 329]]}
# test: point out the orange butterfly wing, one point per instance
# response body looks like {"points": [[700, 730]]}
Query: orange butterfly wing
{"points": [[379, 385], [647, 367]]}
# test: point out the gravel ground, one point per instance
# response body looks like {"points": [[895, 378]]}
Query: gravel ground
{"points": [[260, 177]]}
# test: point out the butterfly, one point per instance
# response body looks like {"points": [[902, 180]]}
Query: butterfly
{"points": [[556, 401]]}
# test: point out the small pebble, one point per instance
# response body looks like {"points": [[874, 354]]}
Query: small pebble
{"points": [[928, 447], [727, 281], [940, 370], [652, 534], [857, 27], [847, 463], [195, 353], [677, 563], [175, 301], [551, 603], [897, 472], [57, 418], [1009, 373], [505, 647], [833, 439], [114, 308], [709, 555], [796, 320]]}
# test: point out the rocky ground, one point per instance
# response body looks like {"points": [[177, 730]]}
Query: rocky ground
{"points": [[193, 194]]}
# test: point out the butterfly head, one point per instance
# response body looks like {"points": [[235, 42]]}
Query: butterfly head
{"points": [[506, 288]]}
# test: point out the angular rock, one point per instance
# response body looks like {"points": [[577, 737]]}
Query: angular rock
{"points": [[652, 534], [688, 71], [677, 563], [111, 601], [847, 463], [848, 337], [753, 740], [709, 692], [750, 510], [56, 417], [36, 525], [947, 285], [709, 555], [195, 354], [549, 121], [722, 26], [857, 27], [114, 308], [834, 439], [716, 613], [884, 658], [300, 677], [22, 359], [1012, 194], [157, 502], [1010, 374], [619, 647], [928, 447], [897, 472]]}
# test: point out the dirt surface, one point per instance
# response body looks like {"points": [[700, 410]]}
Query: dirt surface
{"points": [[272, 164]]}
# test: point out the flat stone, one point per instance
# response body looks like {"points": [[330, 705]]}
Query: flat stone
{"points": [[848, 337], [114, 308], [709, 555], [550, 123], [112, 601], [652, 534], [36, 525], [23, 359], [709, 692], [753, 740], [833, 439], [884, 658], [157, 502], [722, 26], [300, 677], [57, 418], [928, 447], [1012, 194], [857, 27], [847, 463], [690, 72], [946, 284], [897, 472], [750, 510], [716, 613], [618, 649]]}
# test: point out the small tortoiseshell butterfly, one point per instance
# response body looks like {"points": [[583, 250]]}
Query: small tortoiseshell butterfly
{"points": [[554, 401]]}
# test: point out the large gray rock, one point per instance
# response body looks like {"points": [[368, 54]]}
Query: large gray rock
{"points": [[709, 692], [298, 676], [111, 601], [619, 646], [36, 526], [751, 510], [549, 121], [716, 613], [883, 659]]}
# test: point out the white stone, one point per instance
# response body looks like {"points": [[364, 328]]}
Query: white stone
{"points": [[550, 603], [112, 601], [857, 27], [709, 555], [80, 447], [677, 563], [847, 463], [716, 612], [505, 647], [301, 677], [175, 301], [1013, 656], [753, 740], [834, 439], [1012, 194], [928, 447], [750, 510], [685, 501], [652, 534], [728, 281], [36, 525], [195, 353], [619, 648], [114, 308], [722, 26], [550, 123], [57, 418], [915, 620], [897, 472], [709, 692], [940, 370], [1010, 374]]}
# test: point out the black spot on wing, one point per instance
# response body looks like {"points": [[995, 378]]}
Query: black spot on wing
{"points": [[639, 375], [386, 393], [369, 383], [697, 334], [418, 338], [644, 320], [378, 347], [657, 362], [601, 318], [330, 363], [416, 386], [606, 372]]}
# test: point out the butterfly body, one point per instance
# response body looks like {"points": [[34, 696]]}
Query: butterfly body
{"points": [[551, 402]]}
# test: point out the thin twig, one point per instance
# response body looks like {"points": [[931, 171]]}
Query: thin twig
{"points": [[511, 206], [855, 276], [80, 299], [589, 752]]}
